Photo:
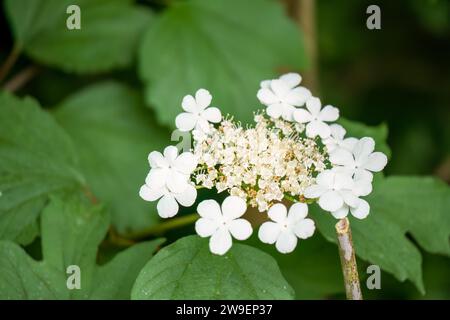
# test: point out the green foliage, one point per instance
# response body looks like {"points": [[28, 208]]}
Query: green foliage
{"points": [[188, 270], [107, 39], [199, 44], [71, 232], [36, 158], [400, 206], [113, 134]]}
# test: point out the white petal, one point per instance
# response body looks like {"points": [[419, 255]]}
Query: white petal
{"points": [[212, 114], [338, 131], [186, 121], [279, 87], [329, 113], [349, 198], [167, 206], [274, 110], [326, 179], [341, 212], [304, 228], [202, 125], [298, 96], [189, 105], [318, 128], [287, 112], [220, 242], [177, 182], [170, 153], [233, 207], [157, 178], [331, 201], [375, 162], [286, 243], [209, 209], [157, 160], [297, 212], [291, 79], [267, 97], [278, 213], [314, 191], [362, 187], [302, 116], [349, 143], [240, 229], [185, 163], [269, 232], [187, 197], [343, 181], [265, 84], [203, 99], [206, 227], [363, 148], [362, 210], [151, 194], [313, 105], [342, 157]]}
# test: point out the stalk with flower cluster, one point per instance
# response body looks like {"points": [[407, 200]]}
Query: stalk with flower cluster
{"points": [[293, 152]]}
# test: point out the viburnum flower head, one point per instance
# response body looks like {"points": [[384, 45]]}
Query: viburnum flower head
{"points": [[360, 159], [221, 223], [198, 113], [285, 228], [316, 118], [282, 95], [168, 179]]}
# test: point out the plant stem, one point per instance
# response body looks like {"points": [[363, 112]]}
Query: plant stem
{"points": [[162, 227], [20, 79], [9, 62], [348, 260]]}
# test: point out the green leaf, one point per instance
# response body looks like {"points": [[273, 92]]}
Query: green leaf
{"points": [[400, 206], [36, 158], [225, 46], [107, 39], [71, 232], [114, 133], [188, 270], [359, 130]]}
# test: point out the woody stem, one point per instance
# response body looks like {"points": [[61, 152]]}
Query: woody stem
{"points": [[348, 260]]}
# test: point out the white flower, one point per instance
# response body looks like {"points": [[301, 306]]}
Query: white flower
{"points": [[282, 95], [222, 223], [286, 226], [197, 114], [360, 210], [170, 170], [361, 159], [336, 139], [334, 189], [168, 204], [316, 118]]}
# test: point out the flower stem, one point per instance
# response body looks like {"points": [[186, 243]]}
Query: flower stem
{"points": [[9, 62], [162, 227], [348, 260]]}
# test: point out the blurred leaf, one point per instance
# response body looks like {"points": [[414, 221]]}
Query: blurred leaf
{"points": [[225, 46], [107, 39], [114, 133], [359, 130], [188, 270], [71, 232], [36, 158], [400, 205]]}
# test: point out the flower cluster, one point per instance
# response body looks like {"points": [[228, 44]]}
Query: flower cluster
{"points": [[294, 152]]}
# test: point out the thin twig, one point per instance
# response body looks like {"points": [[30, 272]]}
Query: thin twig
{"points": [[9, 62], [348, 260], [22, 78]]}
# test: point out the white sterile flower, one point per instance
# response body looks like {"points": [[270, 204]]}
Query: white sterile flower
{"points": [[334, 189], [168, 204], [282, 95], [336, 139], [197, 114], [170, 170], [361, 159], [286, 227], [316, 118], [222, 223], [360, 210]]}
